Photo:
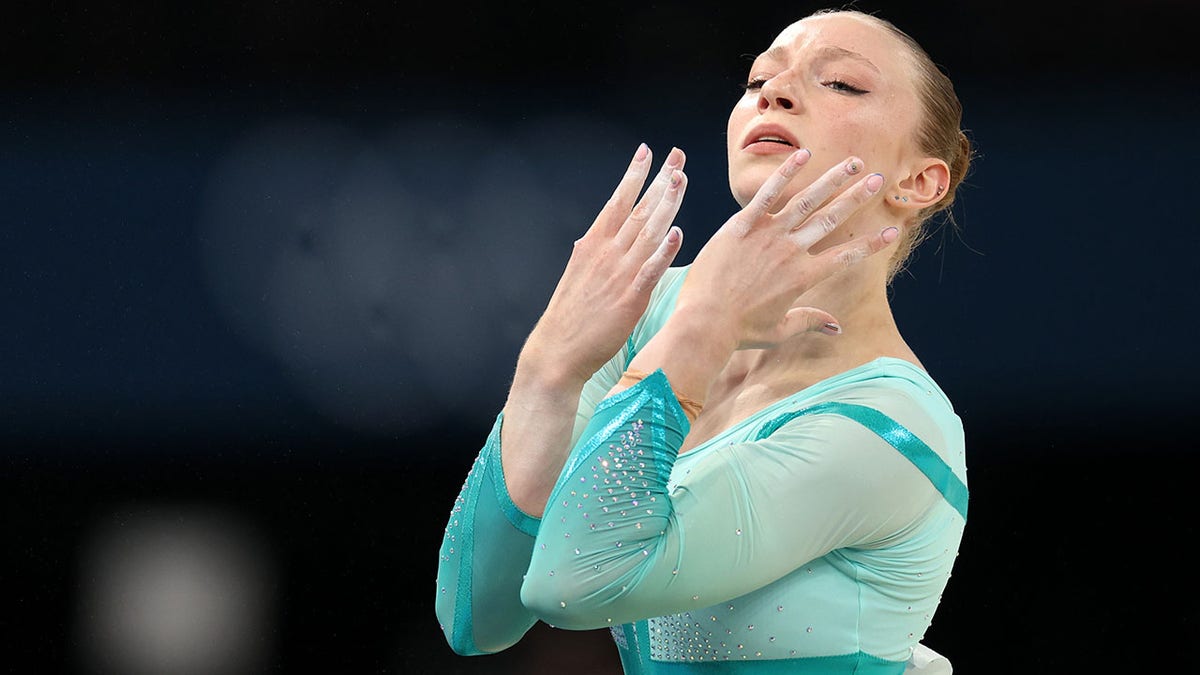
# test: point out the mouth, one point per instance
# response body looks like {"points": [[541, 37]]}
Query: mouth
{"points": [[773, 139], [769, 139]]}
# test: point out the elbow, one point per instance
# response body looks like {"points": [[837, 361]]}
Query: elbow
{"points": [[459, 645], [563, 604], [463, 647], [459, 634], [461, 642], [466, 638], [536, 598]]}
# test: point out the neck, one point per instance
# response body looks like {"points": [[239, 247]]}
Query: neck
{"points": [[858, 299]]}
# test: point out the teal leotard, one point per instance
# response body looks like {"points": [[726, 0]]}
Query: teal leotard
{"points": [[815, 536]]}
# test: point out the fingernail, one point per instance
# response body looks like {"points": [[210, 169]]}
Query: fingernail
{"points": [[874, 182], [830, 328], [641, 153], [674, 234], [801, 156], [676, 179], [674, 158], [890, 234], [854, 166]]}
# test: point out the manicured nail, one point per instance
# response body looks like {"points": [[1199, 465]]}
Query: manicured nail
{"points": [[641, 153], [674, 234], [674, 158], [796, 160], [890, 234], [854, 166], [676, 179], [830, 328], [874, 182]]}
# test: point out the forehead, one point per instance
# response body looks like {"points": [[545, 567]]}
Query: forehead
{"points": [[847, 32]]}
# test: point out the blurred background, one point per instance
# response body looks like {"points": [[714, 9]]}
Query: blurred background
{"points": [[265, 268]]}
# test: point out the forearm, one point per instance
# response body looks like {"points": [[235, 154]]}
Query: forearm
{"points": [[539, 417]]}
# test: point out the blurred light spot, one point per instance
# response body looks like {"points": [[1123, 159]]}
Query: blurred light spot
{"points": [[175, 591]]}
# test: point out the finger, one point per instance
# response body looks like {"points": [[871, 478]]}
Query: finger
{"points": [[796, 321], [827, 219], [769, 193], [809, 320], [660, 220], [804, 203], [617, 208], [637, 218], [838, 258], [659, 262]]}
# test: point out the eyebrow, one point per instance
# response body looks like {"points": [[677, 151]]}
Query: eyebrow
{"points": [[827, 53]]}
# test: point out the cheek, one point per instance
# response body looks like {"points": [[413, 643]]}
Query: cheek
{"points": [[742, 186], [741, 115], [845, 134], [870, 138]]}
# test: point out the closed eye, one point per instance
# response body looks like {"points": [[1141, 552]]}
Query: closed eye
{"points": [[836, 85], [844, 87]]}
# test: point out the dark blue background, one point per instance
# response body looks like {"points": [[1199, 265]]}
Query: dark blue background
{"points": [[1059, 317]]}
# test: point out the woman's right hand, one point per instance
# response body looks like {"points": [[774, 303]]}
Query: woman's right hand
{"points": [[608, 279], [747, 278]]}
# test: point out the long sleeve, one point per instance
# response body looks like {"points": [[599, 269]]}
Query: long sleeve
{"points": [[488, 542], [623, 540], [482, 559]]}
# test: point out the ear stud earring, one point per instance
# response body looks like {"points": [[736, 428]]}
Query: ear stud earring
{"points": [[898, 198]]}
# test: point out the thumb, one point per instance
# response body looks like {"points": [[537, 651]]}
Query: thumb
{"points": [[808, 320]]}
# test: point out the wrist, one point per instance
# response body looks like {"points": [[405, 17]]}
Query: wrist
{"points": [[539, 369], [694, 327], [690, 351]]}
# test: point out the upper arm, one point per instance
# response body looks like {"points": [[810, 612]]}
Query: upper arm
{"points": [[820, 483]]}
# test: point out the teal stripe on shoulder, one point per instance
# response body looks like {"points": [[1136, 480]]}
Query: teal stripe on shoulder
{"points": [[906, 442], [857, 663]]}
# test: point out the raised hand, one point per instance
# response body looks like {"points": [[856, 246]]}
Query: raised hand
{"points": [[608, 279], [749, 275]]}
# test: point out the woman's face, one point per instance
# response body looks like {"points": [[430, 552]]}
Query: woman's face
{"points": [[835, 84]]}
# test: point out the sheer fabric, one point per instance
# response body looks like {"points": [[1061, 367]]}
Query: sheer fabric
{"points": [[815, 536]]}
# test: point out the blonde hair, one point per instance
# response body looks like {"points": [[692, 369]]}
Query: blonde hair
{"points": [[939, 134]]}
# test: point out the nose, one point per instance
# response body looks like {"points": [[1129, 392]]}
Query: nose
{"points": [[776, 93]]}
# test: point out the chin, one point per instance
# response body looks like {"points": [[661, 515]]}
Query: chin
{"points": [[740, 196], [744, 190], [746, 181]]}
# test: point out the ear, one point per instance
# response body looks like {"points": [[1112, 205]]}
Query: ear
{"points": [[925, 186]]}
